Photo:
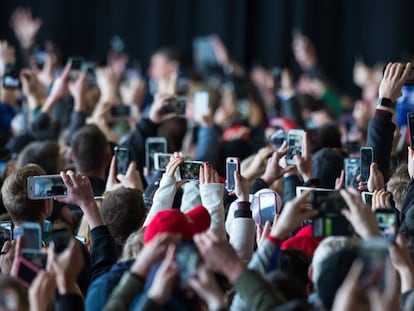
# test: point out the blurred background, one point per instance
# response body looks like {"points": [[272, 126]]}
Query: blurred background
{"points": [[254, 31]]}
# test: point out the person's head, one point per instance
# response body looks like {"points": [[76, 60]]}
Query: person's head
{"points": [[133, 245], [164, 62], [295, 264], [90, 151], [328, 246], [290, 287], [174, 131], [13, 295], [397, 185], [123, 211], [327, 135], [16, 200], [327, 165], [43, 153]]}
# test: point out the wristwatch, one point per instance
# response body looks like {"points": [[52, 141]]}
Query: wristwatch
{"points": [[386, 102]]}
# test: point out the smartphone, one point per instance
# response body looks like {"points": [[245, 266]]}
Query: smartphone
{"points": [[36, 257], [328, 202], [278, 138], [11, 78], [366, 197], [295, 140], [201, 105], [187, 258], [410, 121], [351, 166], [161, 160], [121, 111], [45, 187], [232, 165], [190, 170], [31, 233], [373, 253], [302, 189], [25, 271], [61, 236], [267, 206], [331, 225], [152, 146], [176, 105], [121, 159], [6, 231], [75, 64], [387, 219], [366, 158]]}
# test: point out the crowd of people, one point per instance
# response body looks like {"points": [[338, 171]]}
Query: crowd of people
{"points": [[146, 239]]}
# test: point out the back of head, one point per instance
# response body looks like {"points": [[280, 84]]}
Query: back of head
{"points": [[325, 248], [324, 136], [89, 148], [295, 264], [133, 245], [42, 153], [7, 284], [14, 194], [290, 287], [334, 270], [123, 211], [327, 165], [397, 185]]}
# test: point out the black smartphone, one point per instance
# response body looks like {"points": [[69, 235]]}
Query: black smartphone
{"points": [[25, 271], [176, 105], [6, 231], [388, 223], [328, 202], [351, 166], [61, 236], [187, 258], [410, 121], [121, 160], [75, 64], [366, 158], [121, 111], [11, 78]]}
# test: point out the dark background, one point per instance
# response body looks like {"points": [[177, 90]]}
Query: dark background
{"points": [[255, 31]]}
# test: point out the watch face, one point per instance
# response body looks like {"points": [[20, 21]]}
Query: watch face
{"points": [[385, 102]]}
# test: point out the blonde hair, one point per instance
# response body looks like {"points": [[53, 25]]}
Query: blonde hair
{"points": [[133, 245]]}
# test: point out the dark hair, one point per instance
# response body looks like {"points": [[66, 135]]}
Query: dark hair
{"points": [[171, 54], [89, 146], [123, 211], [290, 287], [327, 135], [7, 282], [42, 153], [14, 194], [327, 164], [295, 263]]}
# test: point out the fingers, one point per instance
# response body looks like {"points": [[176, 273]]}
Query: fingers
{"points": [[405, 73], [112, 170], [354, 274]]}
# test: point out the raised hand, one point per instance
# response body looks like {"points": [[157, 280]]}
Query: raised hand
{"points": [[25, 27], [393, 79]]}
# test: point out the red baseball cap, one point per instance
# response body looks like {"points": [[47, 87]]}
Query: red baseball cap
{"points": [[174, 221]]}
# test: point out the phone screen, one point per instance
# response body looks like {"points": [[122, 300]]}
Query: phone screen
{"points": [[367, 157], [121, 111], [176, 105], [61, 237], [277, 138], [388, 223], [187, 259], [190, 170], [351, 171], [26, 272], [161, 161], [153, 147], [6, 232], [267, 206], [201, 104], [122, 160], [232, 165], [47, 186], [295, 145]]}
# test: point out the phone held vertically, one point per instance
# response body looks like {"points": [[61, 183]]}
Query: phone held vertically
{"points": [[295, 141], [121, 159], [154, 145], [366, 158], [232, 165]]}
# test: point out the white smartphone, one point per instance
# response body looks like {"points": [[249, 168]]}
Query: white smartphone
{"points": [[267, 206], [200, 106], [152, 146], [161, 160], [295, 140], [190, 170], [232, 165], [45, 187]]}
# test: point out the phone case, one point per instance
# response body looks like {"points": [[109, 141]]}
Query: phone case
{"points": [[31, 187], [22, 267], [230, 182]]}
